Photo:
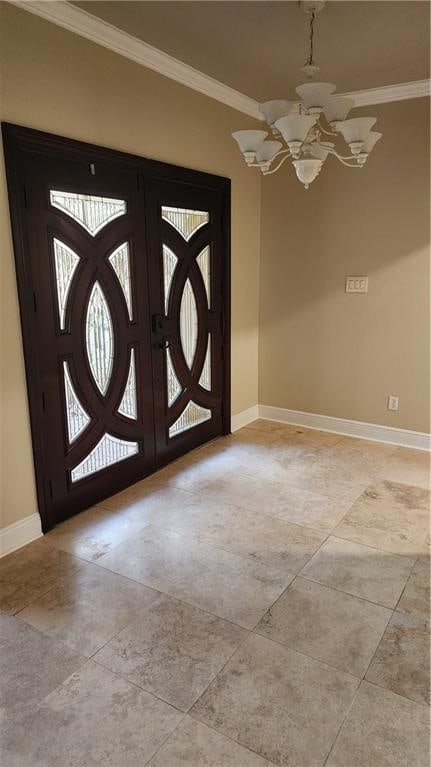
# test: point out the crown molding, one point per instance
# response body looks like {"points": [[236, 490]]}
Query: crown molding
{"points": [[400, 92], [82, 23]]}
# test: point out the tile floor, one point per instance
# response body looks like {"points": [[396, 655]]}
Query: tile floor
{"points": [[262, 601]]}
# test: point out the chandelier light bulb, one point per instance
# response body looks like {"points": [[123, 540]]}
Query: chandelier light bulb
{"points": [[302, 125]]}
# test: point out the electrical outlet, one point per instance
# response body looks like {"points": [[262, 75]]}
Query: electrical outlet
{"points": [[393, 402], [356, 284]]}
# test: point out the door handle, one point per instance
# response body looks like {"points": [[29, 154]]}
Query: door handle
{"points": [[157, 323], [165, 344]]}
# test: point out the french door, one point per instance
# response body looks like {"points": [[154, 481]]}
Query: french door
{"points": [[185, 245], [122, 269]]}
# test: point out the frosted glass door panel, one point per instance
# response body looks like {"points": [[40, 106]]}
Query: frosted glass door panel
{"points": [[205, 379], [188, 323], [128, 405], [92, 213], [108, 451], [185, 221], [173, 384], [169, 265], [77, 417], [203, 260], [66, 262], [191, 416], [120, 262], [99, 338]]}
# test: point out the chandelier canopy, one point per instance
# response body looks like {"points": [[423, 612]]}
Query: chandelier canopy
{"points": [[310, 139]]}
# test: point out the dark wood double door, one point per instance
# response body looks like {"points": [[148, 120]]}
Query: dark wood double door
{"points": [[123, 278]]}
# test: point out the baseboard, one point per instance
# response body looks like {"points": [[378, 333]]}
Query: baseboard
{"points": [[244, 418], [17, 535], [371, 431]]}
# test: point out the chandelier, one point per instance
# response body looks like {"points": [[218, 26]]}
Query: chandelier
{"points": [[310, 139]]}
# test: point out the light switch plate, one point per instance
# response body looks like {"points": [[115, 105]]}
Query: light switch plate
{"points": [[356, 284]]}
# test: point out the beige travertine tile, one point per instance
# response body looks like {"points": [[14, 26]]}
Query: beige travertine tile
{"points": [[382, 730], [277, 702], [193, 744], [92, 533], [298, 434], [123, 497], [360, 455], [328, 478], [94, 719], [278, 462], [265, 538], [248, 436], [30, 571], [31, 666], [411, 467], [232, 587], [333, 627], [172, 650], [87, 609], [388, 516], [416, 597], [360, 570], [402, 661], [268, 426], [150, 498], [320, 512], [249, 493], [192, 476]]}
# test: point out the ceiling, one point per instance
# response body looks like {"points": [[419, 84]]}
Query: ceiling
{"points": [[258, 47]]}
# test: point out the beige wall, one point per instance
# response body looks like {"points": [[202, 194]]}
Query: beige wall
{"points": [[322, 350], [55, 81]]}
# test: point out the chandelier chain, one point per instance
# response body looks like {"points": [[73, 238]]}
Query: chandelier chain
{"points": [[310, 57]]}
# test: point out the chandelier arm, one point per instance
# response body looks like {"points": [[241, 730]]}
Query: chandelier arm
{"points": [[343, 159], [328, 132], [283, 159]]}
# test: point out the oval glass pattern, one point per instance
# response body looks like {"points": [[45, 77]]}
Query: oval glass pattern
{"points": [[99, 338], [188, 323]]}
